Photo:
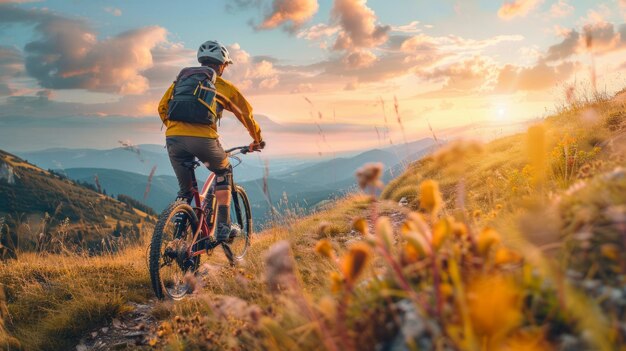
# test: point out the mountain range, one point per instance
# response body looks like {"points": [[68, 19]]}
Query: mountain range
{"points": [[302, 183]]}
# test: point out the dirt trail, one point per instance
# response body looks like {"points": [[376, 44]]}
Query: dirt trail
{"points": [[137, 328], [128, 331]]}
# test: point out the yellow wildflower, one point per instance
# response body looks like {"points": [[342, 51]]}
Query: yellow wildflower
{"points": [[430, 197], [384, 232], [610, 251], [360, 225], [441, 231], [487, 238], [494, 306], [324, 248], [336, 282], [354, 262], [506, 256]]}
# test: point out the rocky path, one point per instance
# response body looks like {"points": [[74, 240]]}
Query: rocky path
{"points": [[130, 330]]}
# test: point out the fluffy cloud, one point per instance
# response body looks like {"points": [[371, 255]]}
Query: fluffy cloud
{"points": [[67, 53], [541, 76], [251, 74], [598, 37], [470, 75], [521, 8], [358, 26], [296, 12]]}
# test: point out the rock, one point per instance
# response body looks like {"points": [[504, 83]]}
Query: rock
{"points": [[414, 330], [116, 323], [81, 347], [279, 267], [105, 330]]}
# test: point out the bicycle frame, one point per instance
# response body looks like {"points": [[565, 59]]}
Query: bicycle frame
{"points": [[203, 232]]}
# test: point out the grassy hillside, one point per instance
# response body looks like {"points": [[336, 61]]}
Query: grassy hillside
{"points": [[58, 208], [512, 245], [163, 188]]}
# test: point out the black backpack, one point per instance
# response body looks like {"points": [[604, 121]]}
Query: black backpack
{"points": [[193, 99]]}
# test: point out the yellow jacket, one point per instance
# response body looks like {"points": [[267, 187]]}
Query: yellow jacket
{"points": [[229, 97]]}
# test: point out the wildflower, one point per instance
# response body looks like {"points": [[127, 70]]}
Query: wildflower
{"points": [[368, 176], [416, 223], [324, 248], [410, 254], [459, 230], [354, 262], [487, 238], [336, 282], [506, 256], [430, 197], [494, 305], [610, 251], [384, 232], [441, 231], [446, 290], [360, 225], [477, 214]]}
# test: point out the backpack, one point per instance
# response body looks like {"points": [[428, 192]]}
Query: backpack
{"points": [[193, 99]]}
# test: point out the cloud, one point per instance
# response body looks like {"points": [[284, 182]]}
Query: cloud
{"points": [[541, 76], [251, 74], [68, 55], [567, 47], [358, 26], [113, 10], [407, 28], [597, 37], [11, 64], [561, 9], [294, 12], [517, 8], [318, 31], [471, 75]]}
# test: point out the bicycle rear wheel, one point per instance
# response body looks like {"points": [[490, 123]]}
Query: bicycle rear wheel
{"points": [[168, 261], [240, 215]]}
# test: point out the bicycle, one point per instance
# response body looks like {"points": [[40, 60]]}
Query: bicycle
{"points": [[184, 232]]}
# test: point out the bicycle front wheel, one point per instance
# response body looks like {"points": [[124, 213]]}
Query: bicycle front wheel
{"points": [[240, 215], [169, 263]]}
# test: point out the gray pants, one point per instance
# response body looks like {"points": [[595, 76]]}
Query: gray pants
{"points": [[208, 151]]}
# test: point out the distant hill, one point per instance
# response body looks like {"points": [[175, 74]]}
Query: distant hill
{"points": [[28, 193], [163, 188], [137, 159]]}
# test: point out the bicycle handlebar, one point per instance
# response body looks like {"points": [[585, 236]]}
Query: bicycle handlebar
{"points": [[242, 149]]}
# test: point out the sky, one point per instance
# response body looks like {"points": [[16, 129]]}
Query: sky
{"points": [[323, 76]]}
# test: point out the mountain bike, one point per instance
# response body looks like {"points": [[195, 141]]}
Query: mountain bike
{"points": [[184, 232]]}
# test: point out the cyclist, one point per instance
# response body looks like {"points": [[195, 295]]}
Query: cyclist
{"points": [[186, 140]]}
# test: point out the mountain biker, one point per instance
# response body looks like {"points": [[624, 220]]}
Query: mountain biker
{"points": [[186, 140]]}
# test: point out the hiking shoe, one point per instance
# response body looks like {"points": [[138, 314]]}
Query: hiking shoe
{"points": [[235, 230], [222, 233]]}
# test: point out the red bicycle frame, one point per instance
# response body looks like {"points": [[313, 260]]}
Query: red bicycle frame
{"points": [[203, 232]]}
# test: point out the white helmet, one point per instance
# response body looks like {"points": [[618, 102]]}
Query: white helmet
{"points": [[212, 49]]}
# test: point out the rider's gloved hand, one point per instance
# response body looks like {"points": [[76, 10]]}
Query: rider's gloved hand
{"points": [[256, 146]]}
